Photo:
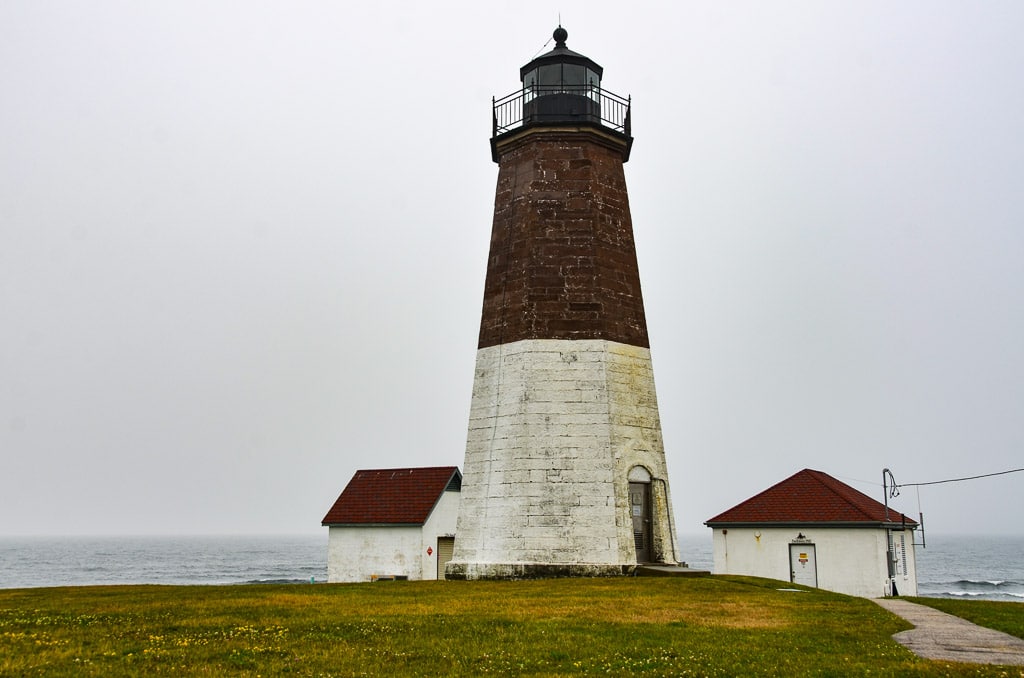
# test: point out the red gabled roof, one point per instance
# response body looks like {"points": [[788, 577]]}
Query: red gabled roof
{"points": [[810, 497], [392, 496]]}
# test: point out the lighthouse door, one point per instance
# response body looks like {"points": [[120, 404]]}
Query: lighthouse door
{"points": [[640, 509]]}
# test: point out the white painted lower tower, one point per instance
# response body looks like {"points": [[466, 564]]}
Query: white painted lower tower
{"points": [[557, 431]]}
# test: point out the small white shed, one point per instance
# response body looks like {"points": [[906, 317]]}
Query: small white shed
{"points": [[813, 529], [393, 524]]}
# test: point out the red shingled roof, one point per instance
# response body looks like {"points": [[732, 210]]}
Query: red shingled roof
{"points": [[810, 497], [392, 496]]}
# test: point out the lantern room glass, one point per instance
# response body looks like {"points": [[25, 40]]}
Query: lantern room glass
{"points": [[562, 78]]}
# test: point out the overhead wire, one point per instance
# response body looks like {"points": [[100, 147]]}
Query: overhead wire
{"points": [[957, 480], [542, 47], [893, 490], [934, 482]]}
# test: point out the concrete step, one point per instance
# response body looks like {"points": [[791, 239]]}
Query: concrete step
{"points": [[658, 570]]}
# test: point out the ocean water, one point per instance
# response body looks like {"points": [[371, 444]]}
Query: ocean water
{"points": [[79, 561], [971, 567], [982, 568]]}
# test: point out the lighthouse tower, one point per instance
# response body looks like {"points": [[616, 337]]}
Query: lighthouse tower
{"points": [[565, 467]]}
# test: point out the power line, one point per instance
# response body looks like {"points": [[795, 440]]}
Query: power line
{"points": [[957, 480]]}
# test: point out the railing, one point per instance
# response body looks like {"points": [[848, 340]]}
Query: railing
{"points": [[545, 104]]}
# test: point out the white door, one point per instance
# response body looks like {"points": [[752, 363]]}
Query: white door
{"points": [[445, 548], [802, 567]]}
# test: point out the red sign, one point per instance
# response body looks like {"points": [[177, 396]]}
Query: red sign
{"points": [[430, 551]]}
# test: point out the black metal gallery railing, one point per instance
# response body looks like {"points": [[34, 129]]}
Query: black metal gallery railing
{"points": [[540, 104]]}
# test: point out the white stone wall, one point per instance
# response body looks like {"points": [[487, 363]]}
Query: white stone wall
{"points": [[849, 560], [555, 426], [636, 441], [360, 553], [441, 523], [906, 562]]}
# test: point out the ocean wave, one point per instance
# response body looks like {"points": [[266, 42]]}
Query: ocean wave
{"points": [[977, 585], [976, 595], [975, 589]]}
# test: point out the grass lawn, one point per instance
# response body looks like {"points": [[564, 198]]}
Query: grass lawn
{"points": [[715, 626]]}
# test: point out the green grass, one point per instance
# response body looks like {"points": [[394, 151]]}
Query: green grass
{"points": [[1004, 616], [716, 626]]}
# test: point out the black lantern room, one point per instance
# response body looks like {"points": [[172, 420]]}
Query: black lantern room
{"points": [[561, 87]]}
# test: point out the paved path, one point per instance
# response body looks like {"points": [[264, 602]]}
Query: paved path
{"points": [[937, 635]]}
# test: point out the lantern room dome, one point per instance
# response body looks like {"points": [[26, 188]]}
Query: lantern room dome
{"points": [[561, 66]]}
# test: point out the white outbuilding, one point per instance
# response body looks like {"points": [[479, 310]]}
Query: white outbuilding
{"points": [[393, 524], [814, 530]]}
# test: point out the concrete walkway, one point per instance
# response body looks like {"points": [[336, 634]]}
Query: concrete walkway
{"points": [[937, 635]]}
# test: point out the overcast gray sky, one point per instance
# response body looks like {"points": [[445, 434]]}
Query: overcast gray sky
{"points": [[243, 248]]}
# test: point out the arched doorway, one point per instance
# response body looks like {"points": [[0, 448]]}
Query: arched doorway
{"points": [[640, 512]]}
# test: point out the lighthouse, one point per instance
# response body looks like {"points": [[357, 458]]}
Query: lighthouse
{"points": [[565, 472]]}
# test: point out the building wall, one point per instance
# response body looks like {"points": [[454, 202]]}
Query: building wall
{"points": [[441, 523], [849, 560], [555, 427], [361, 553], [906, 562]]}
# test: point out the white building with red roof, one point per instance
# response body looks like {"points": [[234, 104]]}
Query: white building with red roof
{"points": [[396, 523], [815, 530]]}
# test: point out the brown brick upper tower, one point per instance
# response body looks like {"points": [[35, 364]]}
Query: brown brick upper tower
{"points": [[565, 467], [562, 263]]}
